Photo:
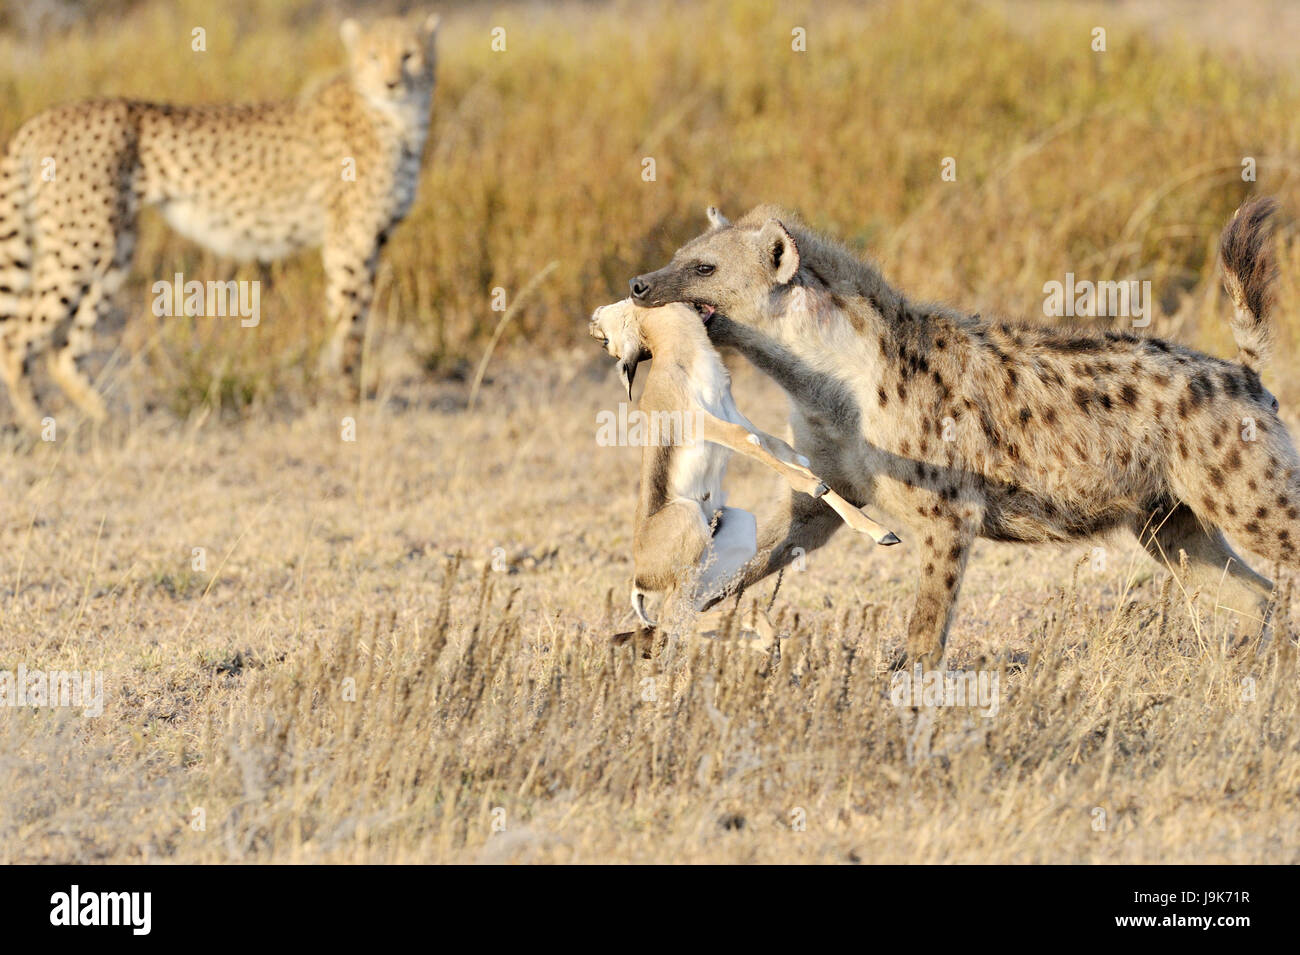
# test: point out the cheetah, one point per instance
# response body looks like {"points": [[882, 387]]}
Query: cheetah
{"points": [[959, 427], [336, 168]]}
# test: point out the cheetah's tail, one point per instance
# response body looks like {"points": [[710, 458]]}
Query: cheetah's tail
{"points": [[1249, 270], [15, 236]]}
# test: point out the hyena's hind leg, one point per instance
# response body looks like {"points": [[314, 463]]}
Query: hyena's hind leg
{"points": [[1250, 489], [1172, 529]]}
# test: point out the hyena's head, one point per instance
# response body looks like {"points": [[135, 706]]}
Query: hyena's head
{"points": [[737, 270], [392, 60]]}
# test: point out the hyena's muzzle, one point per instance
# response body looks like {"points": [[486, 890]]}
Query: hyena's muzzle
{"points": [[665, 286]]}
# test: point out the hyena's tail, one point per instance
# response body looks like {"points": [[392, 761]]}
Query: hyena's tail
{"points": [[1249, 269], [15, 235]]}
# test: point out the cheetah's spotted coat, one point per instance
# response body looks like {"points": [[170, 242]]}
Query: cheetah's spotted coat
{"points": [[337, 168]]}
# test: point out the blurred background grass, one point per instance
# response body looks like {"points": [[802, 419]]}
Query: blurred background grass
{"points": [[1115, 165]]}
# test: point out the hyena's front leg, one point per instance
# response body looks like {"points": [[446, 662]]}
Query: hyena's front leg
{"points": [[350, 262], [944, 548]]}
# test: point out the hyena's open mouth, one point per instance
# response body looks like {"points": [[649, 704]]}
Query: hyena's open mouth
{"points": [[704, 310]]}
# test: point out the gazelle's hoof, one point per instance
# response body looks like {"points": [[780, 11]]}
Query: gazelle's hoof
{"points": [[890, 538]]}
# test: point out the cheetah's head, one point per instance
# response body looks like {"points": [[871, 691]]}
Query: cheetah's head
{"points": [[392, 60]]}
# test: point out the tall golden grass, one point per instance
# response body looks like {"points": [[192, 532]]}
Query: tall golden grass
{"points": [[1113, 165]]}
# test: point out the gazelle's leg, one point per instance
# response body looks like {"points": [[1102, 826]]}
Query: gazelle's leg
{"points": [[756, 445]]}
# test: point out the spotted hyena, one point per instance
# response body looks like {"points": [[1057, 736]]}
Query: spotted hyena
{"points": [[962, 428], [336, 168]]}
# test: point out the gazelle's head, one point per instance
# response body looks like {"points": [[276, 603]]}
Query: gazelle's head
{"points": [[618, 329], [631, 333]]}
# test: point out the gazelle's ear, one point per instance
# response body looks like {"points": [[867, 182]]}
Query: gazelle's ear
{"points": [[779, 251], [349, 33], [716, 219]]}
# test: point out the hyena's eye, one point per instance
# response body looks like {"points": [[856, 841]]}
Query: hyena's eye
{"points": [[704, 269]]}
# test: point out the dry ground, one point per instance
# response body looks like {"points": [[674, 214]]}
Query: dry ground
{"points": [[486, 694]]}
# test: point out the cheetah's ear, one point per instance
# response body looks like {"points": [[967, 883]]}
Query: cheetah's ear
{"points": [[429, 28], [349, 33]]}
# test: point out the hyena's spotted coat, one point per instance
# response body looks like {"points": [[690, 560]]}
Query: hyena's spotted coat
{"points": [[964, 428], [336, 168]]}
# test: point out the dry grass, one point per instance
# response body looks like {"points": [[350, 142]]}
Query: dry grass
{"points": [[481, 690], [337, 685]]}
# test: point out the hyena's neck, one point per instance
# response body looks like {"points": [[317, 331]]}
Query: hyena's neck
{"points": [[842, 353], [841, 333]]}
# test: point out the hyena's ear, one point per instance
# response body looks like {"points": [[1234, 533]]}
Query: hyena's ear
{"points": [[349, 33], [716, 219], [779, 251]]}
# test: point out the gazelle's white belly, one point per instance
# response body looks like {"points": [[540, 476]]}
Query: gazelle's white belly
{"points": [[696, 475], [699, 466]]}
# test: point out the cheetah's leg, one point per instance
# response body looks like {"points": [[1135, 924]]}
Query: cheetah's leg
{"points": [[349, 290], [57, 295], [14, 370], [1212, 564], [75, 343]]}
